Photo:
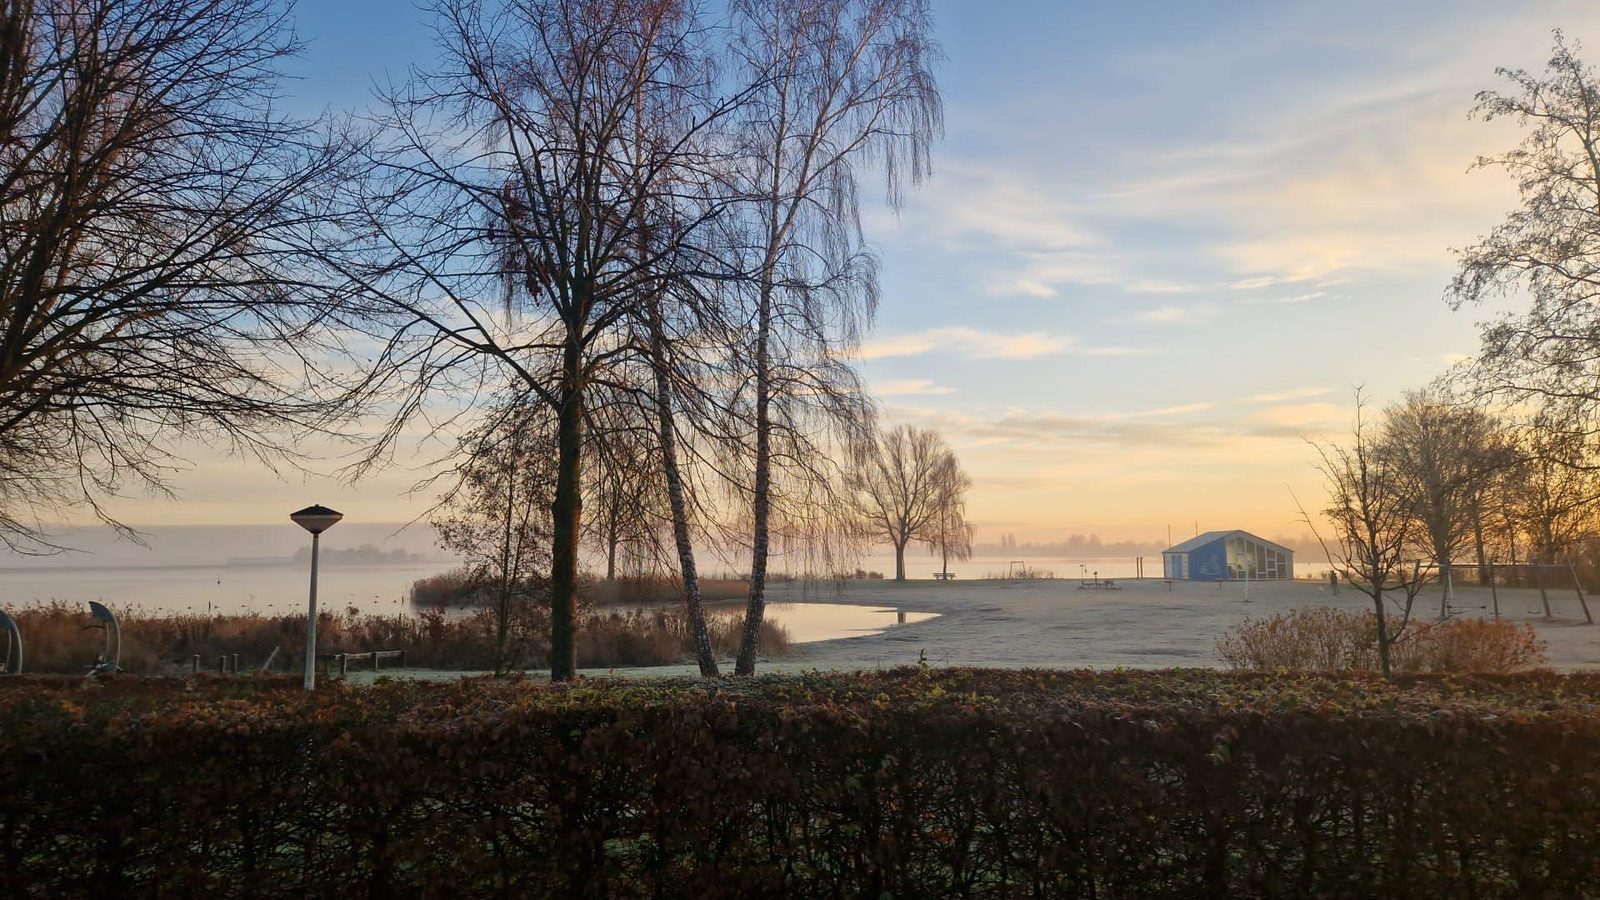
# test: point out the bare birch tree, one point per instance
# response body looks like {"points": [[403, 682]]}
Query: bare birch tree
{"points": [[842, 85], [162, 242]]}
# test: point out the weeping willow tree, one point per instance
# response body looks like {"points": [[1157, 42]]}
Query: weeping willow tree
{"points": [[841, 86]]}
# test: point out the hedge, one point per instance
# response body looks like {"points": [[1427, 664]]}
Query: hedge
{"points": [[909, 783]]}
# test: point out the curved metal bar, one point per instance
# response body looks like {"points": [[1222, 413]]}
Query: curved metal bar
{"points": [[13, 639], [110, 660]]}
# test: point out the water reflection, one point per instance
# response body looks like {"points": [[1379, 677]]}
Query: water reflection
{"points": [[811, 622]]}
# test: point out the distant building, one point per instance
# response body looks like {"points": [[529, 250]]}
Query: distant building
{"points": [[1227, 555]]}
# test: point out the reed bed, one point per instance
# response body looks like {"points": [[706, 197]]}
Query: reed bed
{"points": [[61, 637]]}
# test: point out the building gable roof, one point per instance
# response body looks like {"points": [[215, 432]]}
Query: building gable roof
{"points": [[1210, 537]]}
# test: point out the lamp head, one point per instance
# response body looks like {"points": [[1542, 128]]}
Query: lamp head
{"points": [[316, 519]]}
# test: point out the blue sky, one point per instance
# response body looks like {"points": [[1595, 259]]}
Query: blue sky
{"points": [[1161, 245]]}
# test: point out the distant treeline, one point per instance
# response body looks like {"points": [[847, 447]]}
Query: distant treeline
{"points": [[1090, 546], [366, 554]]}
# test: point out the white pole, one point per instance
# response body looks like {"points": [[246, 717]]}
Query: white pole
{"points": [[311, 619]]}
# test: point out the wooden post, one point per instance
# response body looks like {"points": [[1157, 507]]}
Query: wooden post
{"points": [[375, 661], [233, 663], [194, 665], [402, 658], [344, 665], [1579, 588], [1494, 592], [222, 664]]}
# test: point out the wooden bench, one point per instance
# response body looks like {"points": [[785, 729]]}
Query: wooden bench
{"points": [[944, 576]]}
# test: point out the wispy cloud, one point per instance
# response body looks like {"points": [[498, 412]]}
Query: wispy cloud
{"points": [[1169, 315], [1306, 297], [910, 387], [970, 342], [1117, 351], [1291, 394]]}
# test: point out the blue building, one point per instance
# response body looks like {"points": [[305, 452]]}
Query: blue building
{"points": [[1227, 555]]}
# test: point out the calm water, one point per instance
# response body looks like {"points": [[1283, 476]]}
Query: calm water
{"points": [[808, 622], [219, 589], [384, 589]]}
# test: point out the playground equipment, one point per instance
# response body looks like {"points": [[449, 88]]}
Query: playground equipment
{"points": [[13, 646], [107, 664]]}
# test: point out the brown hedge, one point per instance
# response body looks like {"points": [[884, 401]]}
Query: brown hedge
{"points": [[903, 784]]}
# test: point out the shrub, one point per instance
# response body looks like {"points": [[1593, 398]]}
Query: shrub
{"points": [[1322, 639], [906, 784]]}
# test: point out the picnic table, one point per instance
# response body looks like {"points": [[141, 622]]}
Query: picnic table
{"points": [[1097, 584], [943, 576]]}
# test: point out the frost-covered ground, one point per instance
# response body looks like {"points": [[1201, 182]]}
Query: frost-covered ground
{"points": [[1055, 624], [1143, 624]]}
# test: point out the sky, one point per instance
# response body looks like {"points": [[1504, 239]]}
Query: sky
{"points": [[1162, 244]]}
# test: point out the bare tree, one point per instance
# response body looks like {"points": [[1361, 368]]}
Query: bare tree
{"points": [[952, 536], [841, 84], [519, 171], [1555, 488], [496, 514], [625, 493], [910, 488], [1443, 455], [162, 246], [681, 377], [1549, 247], [1374, 528]]}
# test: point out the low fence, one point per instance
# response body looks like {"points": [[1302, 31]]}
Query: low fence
{"points": [[327, 663]]}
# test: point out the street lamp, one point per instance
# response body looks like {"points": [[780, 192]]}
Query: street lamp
{"points": [[315, 519]]}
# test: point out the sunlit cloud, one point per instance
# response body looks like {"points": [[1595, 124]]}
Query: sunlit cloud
{"points": [[1300, 415], [910, 387], [969, 342], [1292, 394], [1118, 351], [1166, 315]]}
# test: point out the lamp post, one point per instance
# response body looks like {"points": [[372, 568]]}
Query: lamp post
{"points": [[315, 519]]}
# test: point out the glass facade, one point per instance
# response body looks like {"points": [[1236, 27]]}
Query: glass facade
{"points": [[1256, 561]]}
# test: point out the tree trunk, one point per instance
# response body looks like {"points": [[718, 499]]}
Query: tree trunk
{"points": [[566, 518], [680, 512], [1477, 537], [611, 550], [1448, 593], [1383, 631], [503, 607], [900, 562], [756, 608]]}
